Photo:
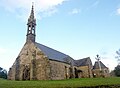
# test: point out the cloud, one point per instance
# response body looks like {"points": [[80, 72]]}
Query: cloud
{"points": [[75, 11], [118, 11], [22, 7]]}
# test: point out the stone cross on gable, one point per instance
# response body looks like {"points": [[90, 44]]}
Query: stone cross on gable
{"points": [[98, 59]]}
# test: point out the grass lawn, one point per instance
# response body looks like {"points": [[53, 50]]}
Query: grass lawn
{"points": [[71, 83]]}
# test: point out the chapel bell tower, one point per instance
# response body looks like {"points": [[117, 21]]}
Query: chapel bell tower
{"points": [[31, 27]]}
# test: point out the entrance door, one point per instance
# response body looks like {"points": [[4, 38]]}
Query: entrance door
{"points": [[76, 73], [26, 73]]}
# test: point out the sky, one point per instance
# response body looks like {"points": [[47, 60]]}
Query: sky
{"points": [[78, 28]]}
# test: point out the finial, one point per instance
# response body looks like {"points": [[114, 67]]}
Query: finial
{"points": [[97, 57], [32, 4], [32, 11]]}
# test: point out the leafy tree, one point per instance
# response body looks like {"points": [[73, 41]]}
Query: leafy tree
{"points": [[117, 71], [3, 73], [118, 56]]}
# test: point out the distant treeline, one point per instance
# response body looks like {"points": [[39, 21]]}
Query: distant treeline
{"points": [[3, 73]]}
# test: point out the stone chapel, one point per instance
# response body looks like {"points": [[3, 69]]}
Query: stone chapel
{"points": [[39, 62]]}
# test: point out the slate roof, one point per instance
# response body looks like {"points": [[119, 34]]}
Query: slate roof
{"points": [[83, 62], [54, 54], [96, 65]]}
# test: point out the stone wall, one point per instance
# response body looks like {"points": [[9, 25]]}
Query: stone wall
{"points": [[59, 70], [42, 69], [103, 73], [86, 72]]}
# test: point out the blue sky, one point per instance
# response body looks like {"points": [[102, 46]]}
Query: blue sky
{"points": [[78, 28]]}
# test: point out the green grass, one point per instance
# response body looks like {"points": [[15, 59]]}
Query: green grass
{"points": [[71, 83]]}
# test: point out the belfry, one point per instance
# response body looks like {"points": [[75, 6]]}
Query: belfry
{"points": [[31, 27]]}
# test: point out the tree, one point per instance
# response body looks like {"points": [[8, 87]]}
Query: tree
{"points": [[3, 73], [118, 56], [117, 71]]}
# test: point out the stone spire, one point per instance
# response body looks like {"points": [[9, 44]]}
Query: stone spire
{"points": [[31, 27]]}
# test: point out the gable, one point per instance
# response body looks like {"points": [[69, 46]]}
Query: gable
{"points": [[96, 65]]}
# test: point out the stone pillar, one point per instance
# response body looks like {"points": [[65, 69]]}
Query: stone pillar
{"points": [[17, 69], [33, 70], [33, 66]]}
